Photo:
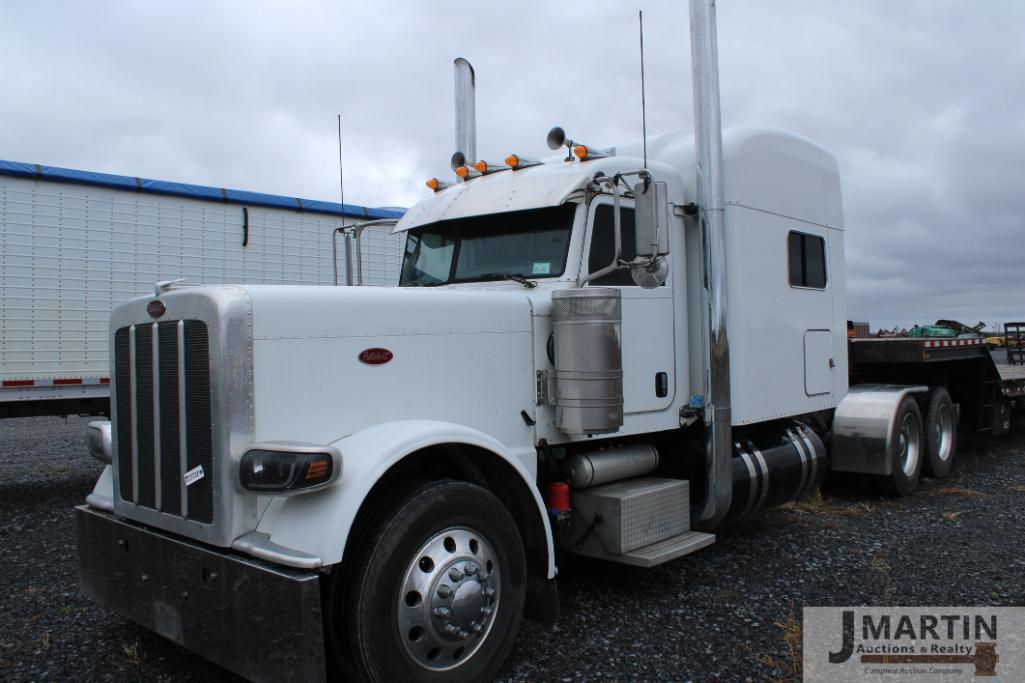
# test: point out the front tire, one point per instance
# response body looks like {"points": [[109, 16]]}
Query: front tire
{"points": [[436, 588], [904, 449], [940, 434]]}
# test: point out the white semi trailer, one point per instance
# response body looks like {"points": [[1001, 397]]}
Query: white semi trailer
{"points": [[73, 244], [375, 481]]}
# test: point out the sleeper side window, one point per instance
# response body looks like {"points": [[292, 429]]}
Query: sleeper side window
{"points": [[806, 255]]}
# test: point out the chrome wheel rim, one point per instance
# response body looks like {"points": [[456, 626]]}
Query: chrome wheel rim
{"points": [[449, 598], [908, 444], [944, 433]]}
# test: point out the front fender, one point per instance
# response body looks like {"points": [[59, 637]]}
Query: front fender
{"points": [[319, 523]]}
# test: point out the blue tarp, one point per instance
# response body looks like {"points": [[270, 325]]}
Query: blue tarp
{"points": [[220, 194]]}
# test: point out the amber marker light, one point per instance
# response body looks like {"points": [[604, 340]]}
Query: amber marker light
{"points": [[462, 171], [432, 183], [481, 166], [580, 152], [512, 161]]}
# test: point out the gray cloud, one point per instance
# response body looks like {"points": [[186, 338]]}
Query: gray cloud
{"points": [[920, 100]]}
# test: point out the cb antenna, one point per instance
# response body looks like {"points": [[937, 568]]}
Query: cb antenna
{"points": [[341, 178], [644, 117]]}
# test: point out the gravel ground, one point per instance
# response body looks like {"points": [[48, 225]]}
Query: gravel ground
{"points": [[721, 613]]}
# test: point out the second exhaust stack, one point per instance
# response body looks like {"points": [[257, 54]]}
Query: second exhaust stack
{"points": [[708, 150], [466, 112]]}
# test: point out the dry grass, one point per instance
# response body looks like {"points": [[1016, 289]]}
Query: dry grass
{"points": [[952, 516], [880, 563], [818, 504], [131, 651], [728, 595], [790, 625], [960, 492], [1017, 487]]}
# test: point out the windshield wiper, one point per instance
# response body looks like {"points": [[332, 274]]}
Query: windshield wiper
{"points": [[529, 284], [484, 277]]}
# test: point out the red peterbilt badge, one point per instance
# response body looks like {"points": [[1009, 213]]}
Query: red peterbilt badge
{"points": [[376, 356], [155, 308]]}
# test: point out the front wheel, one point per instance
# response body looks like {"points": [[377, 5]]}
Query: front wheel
{"points": [[436, 589]]}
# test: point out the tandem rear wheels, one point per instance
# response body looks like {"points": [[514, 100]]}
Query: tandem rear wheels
{"points": [[923, 440], [435, 589]]}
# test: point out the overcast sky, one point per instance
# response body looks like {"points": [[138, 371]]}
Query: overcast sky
{"points": [[921, 100]]}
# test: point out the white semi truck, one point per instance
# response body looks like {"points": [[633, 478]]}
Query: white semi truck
{"points": [[376, 481]]}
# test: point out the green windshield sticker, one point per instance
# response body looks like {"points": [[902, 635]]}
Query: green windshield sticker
{"points": [[542, 268]]}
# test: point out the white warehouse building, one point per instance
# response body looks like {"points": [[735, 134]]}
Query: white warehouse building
{"points": [[74, 244]]}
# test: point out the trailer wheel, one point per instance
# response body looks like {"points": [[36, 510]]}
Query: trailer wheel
{"points": [[940, 434], [905, 450], [436, 589]]}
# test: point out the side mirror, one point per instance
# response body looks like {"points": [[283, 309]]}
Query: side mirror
{"points": [[651, 213]]}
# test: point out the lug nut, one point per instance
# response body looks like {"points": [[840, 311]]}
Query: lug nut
{"points": [[464, 634], [487, 611], [450, 629], [455, 574], [477, 628], [471, 570], [444, 591], [442, 612], [489, 592]]}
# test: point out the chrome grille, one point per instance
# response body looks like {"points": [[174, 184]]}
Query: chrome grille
{"points": [[163, 412]]}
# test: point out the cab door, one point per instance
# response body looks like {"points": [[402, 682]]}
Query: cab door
{"points": [[649, 359]]}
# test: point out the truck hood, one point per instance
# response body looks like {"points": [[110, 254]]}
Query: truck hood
{"points": [[319, 376], [304, 312]]}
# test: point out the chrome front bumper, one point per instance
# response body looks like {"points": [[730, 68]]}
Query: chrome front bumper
{"points": [[258, 620]]}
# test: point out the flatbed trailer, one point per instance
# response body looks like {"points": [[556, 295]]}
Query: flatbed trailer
{"points": [[986, 392]]}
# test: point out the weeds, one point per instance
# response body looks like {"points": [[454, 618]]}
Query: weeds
{"points": [[960, 492], [1017, 487], [790, 625], [131, 651], [818, 504], [880, 563], [952, 516], [728, 595]]}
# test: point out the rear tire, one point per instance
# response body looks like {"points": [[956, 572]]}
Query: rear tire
{"points": [[904, 450], [435, 590], [940, 434]]}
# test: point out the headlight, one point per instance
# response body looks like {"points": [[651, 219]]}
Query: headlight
{"points": [[285, 468]]}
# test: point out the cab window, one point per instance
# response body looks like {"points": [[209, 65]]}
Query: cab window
{"points": [[603, 246]]}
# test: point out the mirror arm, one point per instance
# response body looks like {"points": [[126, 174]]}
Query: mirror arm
{"points": [[617, 262]]}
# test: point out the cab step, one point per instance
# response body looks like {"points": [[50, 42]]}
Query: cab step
{"points": [[669, 549]]}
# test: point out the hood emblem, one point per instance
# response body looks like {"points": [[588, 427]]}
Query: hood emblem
{"points": [[156, 308], [375, 356]]}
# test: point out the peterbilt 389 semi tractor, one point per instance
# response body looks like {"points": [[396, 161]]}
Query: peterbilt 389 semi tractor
{"points": [[607, 353]]}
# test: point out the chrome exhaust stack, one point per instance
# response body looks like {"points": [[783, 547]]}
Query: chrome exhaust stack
{"points": [[466, 112], [708, 152]]}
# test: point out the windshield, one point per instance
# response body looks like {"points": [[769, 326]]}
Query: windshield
{"points": [[519, 244]]}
